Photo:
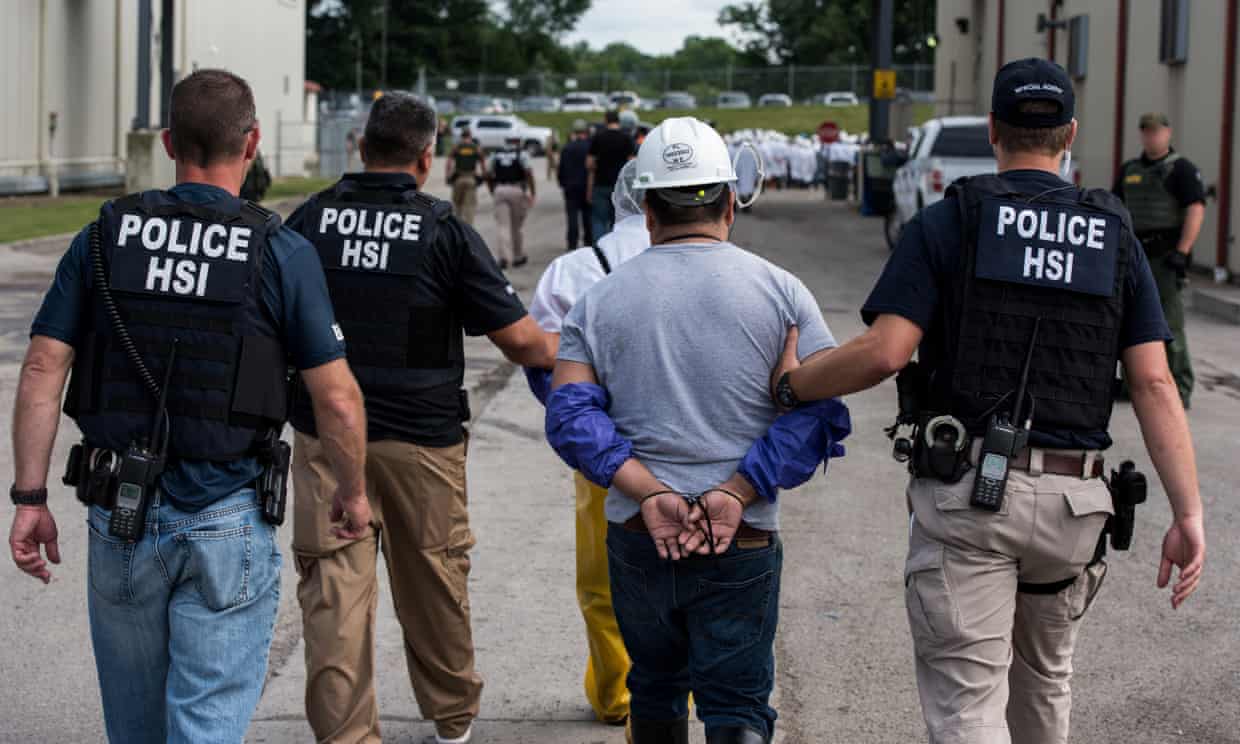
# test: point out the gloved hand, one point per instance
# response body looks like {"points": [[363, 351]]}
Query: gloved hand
{"points": [[1178, 262]]}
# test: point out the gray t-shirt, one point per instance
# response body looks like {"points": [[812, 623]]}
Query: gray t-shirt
{"points": [[684, 338]]}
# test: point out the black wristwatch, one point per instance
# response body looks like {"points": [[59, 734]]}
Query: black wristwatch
{"points": [[37, 497], [785, 398]]}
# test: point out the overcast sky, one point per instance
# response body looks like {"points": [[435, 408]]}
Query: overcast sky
{"points": [[653, 26]]}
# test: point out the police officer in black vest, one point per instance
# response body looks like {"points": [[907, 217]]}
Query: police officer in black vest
{"points": [[178, 313], [408, 280], [1022, 292]]}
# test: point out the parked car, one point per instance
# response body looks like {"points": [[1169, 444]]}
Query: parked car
{"points": [[943, 150], [582, 102], [475, 104], [774, 100], [677, 100], [492, 131], [624, 99], [840, 98], [733, 99], [543, 104]]}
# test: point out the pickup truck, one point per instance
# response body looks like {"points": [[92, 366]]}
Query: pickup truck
{"points": [[493, 131]]}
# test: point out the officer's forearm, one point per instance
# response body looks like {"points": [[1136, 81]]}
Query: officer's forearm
{"points": [[525, 343], [860, 364], [36, 411], [1194, 216], [340, 418], [1164, 426]]}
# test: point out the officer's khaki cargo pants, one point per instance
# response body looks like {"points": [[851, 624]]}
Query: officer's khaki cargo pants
{"points": [[994, 665], [511, 207], [465, 197], [418, 497]]}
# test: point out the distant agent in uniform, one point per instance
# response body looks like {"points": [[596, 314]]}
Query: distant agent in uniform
{"points": [[511, 180], [1166, 196], [466, 169]]}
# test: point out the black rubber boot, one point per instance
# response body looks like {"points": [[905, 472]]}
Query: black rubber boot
{"points": [[735, 735], [659, 732]]}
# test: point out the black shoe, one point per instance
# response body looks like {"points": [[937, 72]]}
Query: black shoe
{"points": [[660, 732], [521, 261], [735, 735]]}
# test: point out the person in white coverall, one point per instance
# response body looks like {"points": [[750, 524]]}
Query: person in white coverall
{"points": [[563, 283]]}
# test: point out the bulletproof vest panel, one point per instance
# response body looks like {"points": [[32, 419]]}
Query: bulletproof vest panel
{"points": [[187, 275], [1061, 256], [1152, 205], [508, 168], [466, 157]]}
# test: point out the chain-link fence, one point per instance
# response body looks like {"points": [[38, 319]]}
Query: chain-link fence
{"points": [[801, 83]]}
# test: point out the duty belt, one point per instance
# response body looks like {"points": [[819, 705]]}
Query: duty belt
{"points": [[1085, 464]]}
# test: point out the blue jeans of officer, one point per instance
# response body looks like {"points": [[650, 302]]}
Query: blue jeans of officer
{"points": [[181, 621], [701, 625], [602, 212]]}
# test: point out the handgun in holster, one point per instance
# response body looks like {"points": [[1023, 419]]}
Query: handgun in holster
{"points": [[276, 457], [1128, 489]]}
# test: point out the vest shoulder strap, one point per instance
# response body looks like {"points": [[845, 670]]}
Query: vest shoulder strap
{"points": [[602, 259]]}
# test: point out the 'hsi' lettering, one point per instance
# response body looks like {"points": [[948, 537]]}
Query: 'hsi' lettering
{"points": [[177, 276], [370, 254], [1051, 265], [211, 240], [1073, 229]]}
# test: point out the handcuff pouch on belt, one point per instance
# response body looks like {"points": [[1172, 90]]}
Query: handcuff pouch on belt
{"points": [[939, 445]]}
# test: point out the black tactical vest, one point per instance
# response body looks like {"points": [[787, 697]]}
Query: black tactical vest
{"points": [[465, 158], [373, 244], [189, 274], [1062, 256], [508, 168]]}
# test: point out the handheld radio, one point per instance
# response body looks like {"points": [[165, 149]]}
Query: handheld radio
{"points": [[1004, 439], [140, 468]]}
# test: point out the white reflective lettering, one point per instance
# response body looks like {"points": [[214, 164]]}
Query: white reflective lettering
{"points": [[131, 225], [328, 217], [384, 258], [351, 253], [1063, 218], [239, 238], [413, 224], [158, 270], [1043, 234], [1054, 265], [203, 268], [347, 222], [1067, 274], [370, 257], [149, 230], [1097, 231], [195, 239], [184, 283], [173, 234], [1076, 226], [1027, 223], [213, 241], [391, 225], [1034, 262], [1007, 216]]}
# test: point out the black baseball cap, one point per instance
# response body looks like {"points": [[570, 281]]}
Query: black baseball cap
{"points": [[1032, 79]]}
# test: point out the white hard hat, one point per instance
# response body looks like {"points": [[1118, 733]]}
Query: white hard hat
{"points": [[626, 198], [681, 152]]}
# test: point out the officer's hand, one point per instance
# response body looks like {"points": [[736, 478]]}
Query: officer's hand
{"points": [[352, 508], [34, 526], [1184, 546], [666, 517], [788, 360], [725, 514]]}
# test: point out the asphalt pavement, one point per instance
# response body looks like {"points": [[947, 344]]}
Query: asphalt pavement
{"points": [[1144, 674]]}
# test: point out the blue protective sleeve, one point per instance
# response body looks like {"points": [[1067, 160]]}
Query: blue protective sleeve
{"points": [[539, 381], [583, 435], [789, 453]]}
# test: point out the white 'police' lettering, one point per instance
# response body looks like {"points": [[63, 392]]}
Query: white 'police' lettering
{"points": [[1039, 222], [370, 223]]}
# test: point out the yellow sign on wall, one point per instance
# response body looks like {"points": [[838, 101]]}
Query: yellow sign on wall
{"points": [[884, 84]]}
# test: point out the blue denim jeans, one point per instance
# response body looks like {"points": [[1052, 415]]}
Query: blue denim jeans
{"points": [[181, 621], [602, 212], [701, 625]]}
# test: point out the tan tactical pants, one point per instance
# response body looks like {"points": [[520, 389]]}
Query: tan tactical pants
{"points": [[511, 207], [465, 197], [418, 497], [994, 664]]}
